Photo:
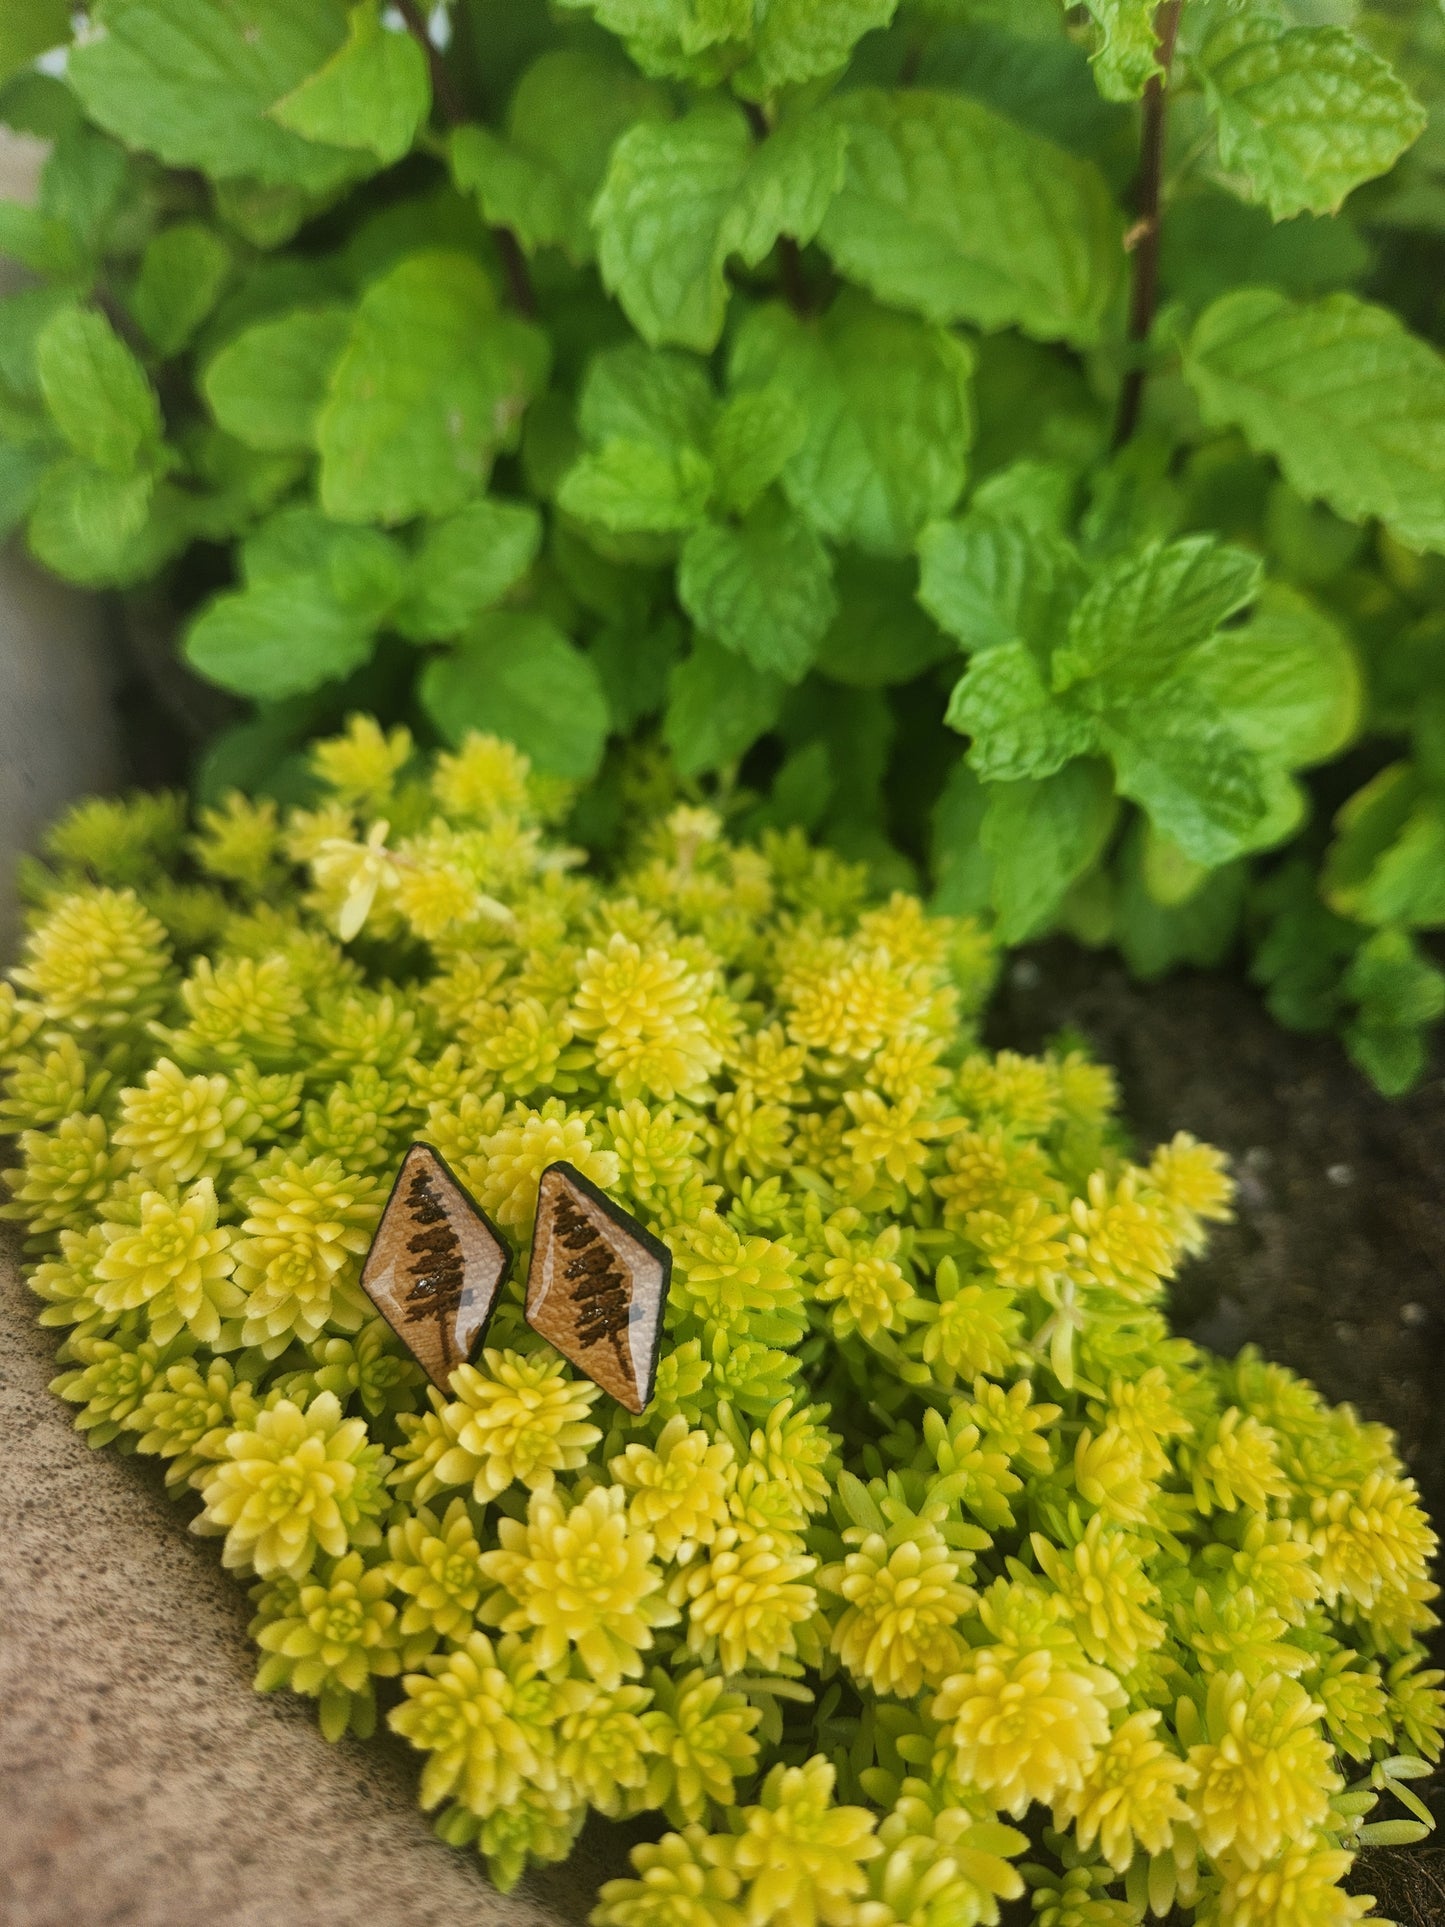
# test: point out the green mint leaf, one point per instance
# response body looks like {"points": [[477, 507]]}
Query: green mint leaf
{"points": [[1399, 993], [1169, 876], [39, 241], [788, 187], [754, 438], [22, 317], [633, 664], [367, 572], [263, 213], [1199, 783], [1407, 885], [648, 414], [1213, 242], [37, 103], [242, 483], [1019, 730], [880, 635], [661, 222], [1143, 614], [1125, 57], [21, 470], [637, 487], [1304, 115], [296, 540], [1302, 949], [192, 80], [961, 865], [516, 191], [990, 579], [83, 185], [568, 112], [373, 93], [952, 211], [637, 394], [519, 677], [431, 384], [29, 28], [1392, 1056], [1287, 683], [1387, 861], [98, 395], [88, 524], [278, 638], [718, 705], [363, 571], [1199, 928], [888, 419], [465, 564], [798, 40], [697, 40], [182, 273], [1393, 982], [1347, 400], [763, 589], [267, 384], [1040, 838], [1038, 494]]}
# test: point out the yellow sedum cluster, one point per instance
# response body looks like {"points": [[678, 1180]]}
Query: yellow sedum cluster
{"points": [[933, 1532]]}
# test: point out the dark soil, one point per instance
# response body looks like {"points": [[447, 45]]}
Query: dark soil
{"points": [[1335, 1264]]}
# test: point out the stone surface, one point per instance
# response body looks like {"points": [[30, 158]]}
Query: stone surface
{"points": [[142, 1782], [597, 1286], [436, 1266]]}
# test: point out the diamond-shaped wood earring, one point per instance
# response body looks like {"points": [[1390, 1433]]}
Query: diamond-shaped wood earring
{"points": [[436, 1266], [597, 1286]]}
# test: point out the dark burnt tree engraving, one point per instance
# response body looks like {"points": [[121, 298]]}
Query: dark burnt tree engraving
{"points": [[438, 1270], [600, 1288]]}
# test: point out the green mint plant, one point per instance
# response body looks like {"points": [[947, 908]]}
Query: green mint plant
{"points": [[1003, 440]]}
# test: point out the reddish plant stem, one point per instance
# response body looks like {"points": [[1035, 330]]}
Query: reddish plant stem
{"points": [[444, 88], [454, 112], [1144, 237], [514, 266]]}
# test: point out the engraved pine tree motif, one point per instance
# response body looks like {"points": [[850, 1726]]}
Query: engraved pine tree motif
{"points": [[437, 1269], [598, 1284], [436, 1266]]}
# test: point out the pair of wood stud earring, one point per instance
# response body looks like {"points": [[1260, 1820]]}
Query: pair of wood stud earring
{"points": [[596, 1285]]}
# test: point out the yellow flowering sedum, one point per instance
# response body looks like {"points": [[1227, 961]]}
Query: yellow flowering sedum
{"points": [[177, 1262], [179, 1128], [905, 1600], [931, 1525], [1025, 1725], [679, 1488], [746, 1599], [97, 964], [649, 1015], [485, 1717], [1299, 1889], [515, 1420], [298, 1258], [802, 1855], [582, 1577], [1262, 1771], [1131, 1797], [292, 1484]]}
